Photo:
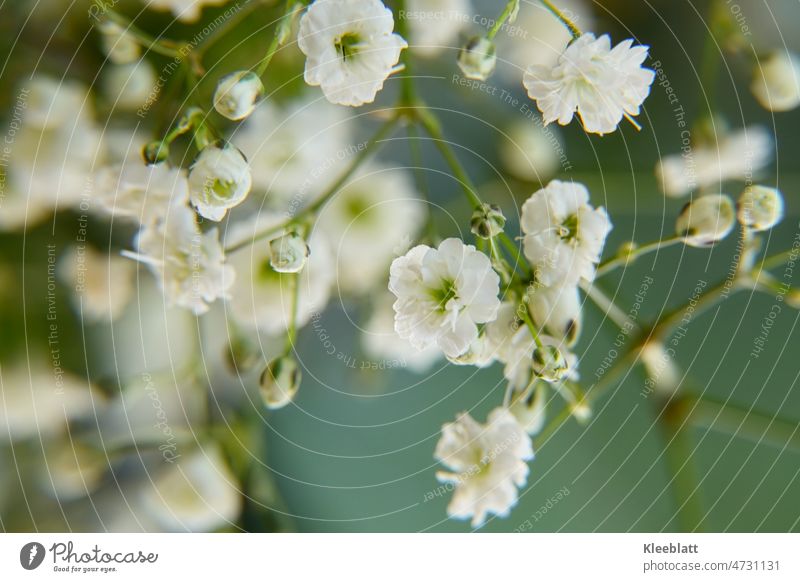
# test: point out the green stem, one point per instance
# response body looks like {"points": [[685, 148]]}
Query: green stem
{"points": [[163, 47], [619, 261], [511, 7], [573, 29], [608, 307], [279, 38], [419, 178], [787, 256], [704, 302], [206, 42]]}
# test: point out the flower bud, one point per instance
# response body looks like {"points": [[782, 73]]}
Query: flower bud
{"points": [[477, 58], [529, 408], [488, 221], [776, 81], [793, 298], [240, 356], [627, 249], [550, 364], [288, 253], [238, 94], [155, 152], [706, 220], [219, 180], [280, 382], [118, 44], [760, 208]]}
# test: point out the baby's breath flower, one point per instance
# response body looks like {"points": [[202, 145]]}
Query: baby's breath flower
{"points": [[219, 180], [776, 81], [119, 44], [488, 221], [549, 363], [760, 208], [706, 220], [280, 382], [530, 408], [288, 253], [477, 58], [238, 94]]}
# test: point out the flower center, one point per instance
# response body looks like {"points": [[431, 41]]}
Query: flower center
{"points": [[444, 294], [568, 230], [347, 45], [220, 189]]}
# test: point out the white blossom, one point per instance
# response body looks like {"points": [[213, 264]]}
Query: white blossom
{"points": [[530, 408], [531, 152], [129, 86], [564, 234], [602, 85], [706, 220], [350, 49], [366, 220], [143, 193], [735, 156], [219, 179], [101, 284], [118, 43], [488, 462], [185, 10], [776, 81], [443, 294], [556, 310], [434, 25], [760, 207], [263, 298], [188, 264], [237, 94]]}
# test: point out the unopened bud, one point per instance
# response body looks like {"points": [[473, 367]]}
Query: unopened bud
{"points": [[155, 152], [238, 94], [280, 382], [550, 364], [487, 221], [706, 220], [776, 81], [760, 208], [288, 254], [477, 58]]}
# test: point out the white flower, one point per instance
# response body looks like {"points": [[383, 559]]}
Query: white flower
{"points": [[101, 284], [143, 193], [706, 220], [477, 58], [185, 10], [72, 470], [238, 94], [296, 152], [129, 86], [262, 297], [662, 373], [760, 208], [602, 85], [530, 408], [532, 152], [380, 341], [288, 253], [735, 156], [119, 44], [350, 48], [196, 493], [219, 179], [564, 234], [365, 222], [488, 464], [557, 310], [443, 294], [776, 81], [189, 265], [435, 24]]}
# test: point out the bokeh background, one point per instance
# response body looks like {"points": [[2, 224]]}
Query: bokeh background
{"points": [[355, 451]]}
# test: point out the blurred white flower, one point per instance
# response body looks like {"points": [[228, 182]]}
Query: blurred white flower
{"points": [[556, 310], [380, 341], [197, 493], [602, 85], [443, 294], [129, 86], [776, 81], [488, 464], [662, 372], [262, 298], [219, 179], [139, 192], [532, 152], [71, 470], [706, 220], [188, 264], [101, 284], [564, 234], [530, 408], [237, 94], [185, 10], [296, 151], [735, 156], [365, 222], [120, 46], [350, 49], [760, 207], [436, 24]]}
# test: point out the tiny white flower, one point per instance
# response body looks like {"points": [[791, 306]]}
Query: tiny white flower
{"points": [[662, 373], [557, 310], [602, 85], [735, 156], [238, 94], [185, 10], [760, 208], [143, 193], [477, 58], [530, 408], [219, 179], [119, 44], [189, 265], [706, 220], [288, 253], [564, 234], [435, 24], [102, 284], [488, 464], [443, 294], [350, 49], [532, 152], [776, 81]]}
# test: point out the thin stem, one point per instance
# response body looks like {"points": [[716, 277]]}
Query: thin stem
{"points": [[407, 90], [788, 256], [150, 43], [571, 26], [608, 307], [526, 317], [206, 42], [278, 38], [706, 301], [291, 332], [516, 252], [419, 178], [619, 261], [511, 7]]}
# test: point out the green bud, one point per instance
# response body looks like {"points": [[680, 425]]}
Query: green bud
{"points": [[550, 364], [155, 152], [488, 221], [279, 382]]}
